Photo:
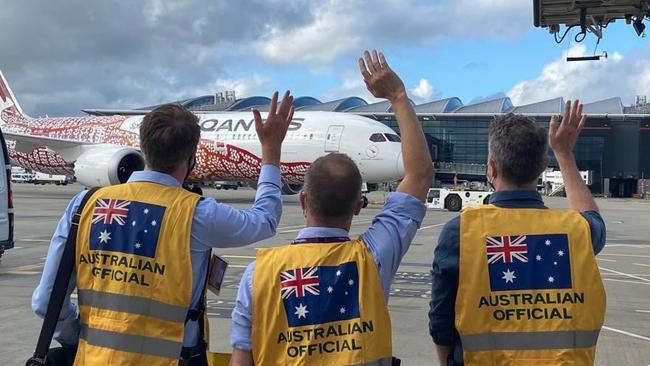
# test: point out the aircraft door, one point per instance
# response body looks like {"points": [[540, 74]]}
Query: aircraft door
{"points": [[333, 140]]}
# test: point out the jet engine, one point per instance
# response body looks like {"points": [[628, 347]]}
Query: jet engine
{"points": [[291, 189], [105, 165]]}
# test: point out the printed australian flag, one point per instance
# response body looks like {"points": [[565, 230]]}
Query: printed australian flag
{"points": [[529, 262], [128, 227], [323, 294]]}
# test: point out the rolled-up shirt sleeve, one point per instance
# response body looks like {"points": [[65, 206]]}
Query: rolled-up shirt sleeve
{"points": [[67, 327], [444, 285], [392, 231], [597, 229], [220, 225], [242, 313]]}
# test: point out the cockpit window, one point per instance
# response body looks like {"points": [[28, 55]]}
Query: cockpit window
{"points": [[393, 137], [377, 137]]}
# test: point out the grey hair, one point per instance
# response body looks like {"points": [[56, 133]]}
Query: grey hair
{"points": [[519, 147]]}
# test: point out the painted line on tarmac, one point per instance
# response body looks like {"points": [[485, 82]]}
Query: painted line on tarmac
{"points": [[430, 226], [626, 274], [641, 264], [643, 311], [21, 273], [606, 260], [26, 269], [35, 240], [627, 281], [237, 266], [625, 255], [638, 246], [626, 333]]}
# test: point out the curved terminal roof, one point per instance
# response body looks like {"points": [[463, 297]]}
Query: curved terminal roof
{"points": [[551, 106], [440, 106], [500, 105], [605, 106], [379, 107], [357, 105], [339, 105], [248, 103]]}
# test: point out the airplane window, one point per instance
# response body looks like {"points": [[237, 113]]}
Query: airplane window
{"points": [[311, 136], [377, 137], [393, 137]]}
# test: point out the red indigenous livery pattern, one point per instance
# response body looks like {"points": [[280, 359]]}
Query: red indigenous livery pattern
{"points": [[215, 160]]}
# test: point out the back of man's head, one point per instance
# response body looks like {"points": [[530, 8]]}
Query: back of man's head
{"points": [[332, 187], [169, 136], [518, 146]]}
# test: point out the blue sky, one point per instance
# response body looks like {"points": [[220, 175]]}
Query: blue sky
{"points": [[123, 54]]}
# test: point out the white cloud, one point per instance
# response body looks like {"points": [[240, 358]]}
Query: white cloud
{"points": [[341, 27], [624, 76], [351, 86], [423, 92]]}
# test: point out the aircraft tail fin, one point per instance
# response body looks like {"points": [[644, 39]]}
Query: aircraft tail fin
{"points": [[8, 102]]}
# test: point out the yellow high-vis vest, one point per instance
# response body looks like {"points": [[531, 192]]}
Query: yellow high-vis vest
{"points": [[134, 274], [529, 289], [319, 304]]}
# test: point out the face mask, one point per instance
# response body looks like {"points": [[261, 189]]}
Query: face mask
{"points": [[489, 182], [190, 167]]}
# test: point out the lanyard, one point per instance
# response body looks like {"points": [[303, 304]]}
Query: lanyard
{"points": [[327, 239]]}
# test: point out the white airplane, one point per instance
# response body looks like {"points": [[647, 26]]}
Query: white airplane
{"points": [[101, 151]]}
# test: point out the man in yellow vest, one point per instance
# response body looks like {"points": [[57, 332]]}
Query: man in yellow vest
{"points": [[322, 300], [143, 248], [516, 283]]}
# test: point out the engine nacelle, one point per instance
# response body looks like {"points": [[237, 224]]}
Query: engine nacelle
{"points": [[106, 165], [291, 189]]}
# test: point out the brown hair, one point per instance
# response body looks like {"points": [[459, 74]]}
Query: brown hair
{"points": [[169, 136], [332, 186], [519, 148]]}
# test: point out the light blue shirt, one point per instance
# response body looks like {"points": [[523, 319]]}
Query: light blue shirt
{"points": [[214, 225], [388, 239]]}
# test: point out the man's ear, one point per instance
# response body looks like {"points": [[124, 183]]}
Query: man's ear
{"points": [[492, 168], [303, 200]]}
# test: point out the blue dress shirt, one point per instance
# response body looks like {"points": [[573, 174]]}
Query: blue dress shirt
{"points": [[214, 225], [446, 262], [388, 239]]}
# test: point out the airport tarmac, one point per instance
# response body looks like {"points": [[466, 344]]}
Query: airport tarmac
{"points": [[625, 267]]}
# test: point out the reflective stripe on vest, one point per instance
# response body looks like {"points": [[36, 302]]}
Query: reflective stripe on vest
{"points": [[132, 304], [529, 340], [130, 342]]}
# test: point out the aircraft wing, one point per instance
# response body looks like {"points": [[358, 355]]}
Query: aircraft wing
{"points": [[68, 149]]}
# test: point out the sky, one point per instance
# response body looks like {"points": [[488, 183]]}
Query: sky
{"points": [[63, 56]]}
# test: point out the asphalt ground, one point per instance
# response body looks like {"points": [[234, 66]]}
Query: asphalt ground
{"points": [[625, 268]]}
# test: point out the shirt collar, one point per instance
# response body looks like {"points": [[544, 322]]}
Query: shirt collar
{"points": [[505, 197], [321, 232], [155, 177]]}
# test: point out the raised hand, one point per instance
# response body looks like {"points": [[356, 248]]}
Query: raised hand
{"points": [[563, 138], [271, 132], [381, 81]]}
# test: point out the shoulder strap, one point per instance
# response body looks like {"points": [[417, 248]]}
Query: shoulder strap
{"points": [[61, 284]]}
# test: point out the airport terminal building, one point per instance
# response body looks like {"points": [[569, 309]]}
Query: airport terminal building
{"points": [[615, 144]]}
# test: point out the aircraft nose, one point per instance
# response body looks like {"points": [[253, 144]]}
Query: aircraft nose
{"points": [[400, 165]]}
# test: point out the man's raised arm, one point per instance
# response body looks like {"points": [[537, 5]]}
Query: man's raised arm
{"points": [[382, 82], [562, 140]]}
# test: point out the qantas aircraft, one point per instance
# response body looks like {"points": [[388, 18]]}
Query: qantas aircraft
{"points": [[102, 151]]}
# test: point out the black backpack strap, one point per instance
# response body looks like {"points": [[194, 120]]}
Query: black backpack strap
{"points": [[198, 315], [60, 287]]}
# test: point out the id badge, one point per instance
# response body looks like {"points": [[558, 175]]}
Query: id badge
{"points": [[217, 273]]}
